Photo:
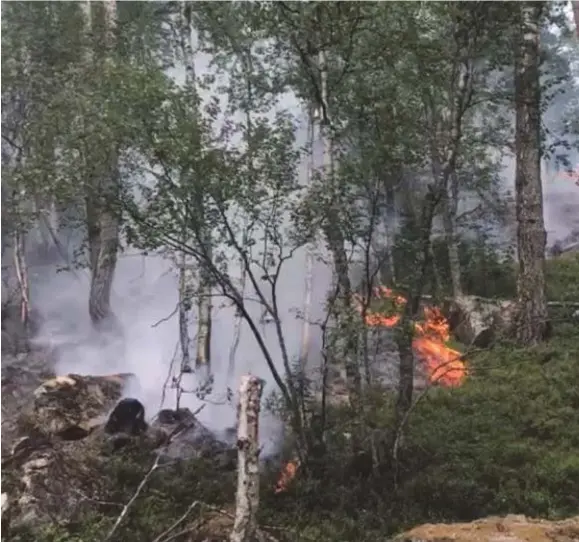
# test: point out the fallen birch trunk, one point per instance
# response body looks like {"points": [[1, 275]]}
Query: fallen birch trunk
{"points": [[247, 500], [479, 321]]}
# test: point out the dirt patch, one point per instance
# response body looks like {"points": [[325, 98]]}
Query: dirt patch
{"points": [[511, 528]]}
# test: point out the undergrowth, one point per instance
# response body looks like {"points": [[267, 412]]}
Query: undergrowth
{"points": [[504, 442]]}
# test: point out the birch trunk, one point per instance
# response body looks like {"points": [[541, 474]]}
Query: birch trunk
{"points": [[247, 500], [204, 307], [92, 223], [204, 304], [390, 230], [348, 336], [22, 276], [531, 235], [103, 222], [184, 308], [449, 223], [309, 262]]}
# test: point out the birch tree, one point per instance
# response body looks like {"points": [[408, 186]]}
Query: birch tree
{"points": [[103, 192]]}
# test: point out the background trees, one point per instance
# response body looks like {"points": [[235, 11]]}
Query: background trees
{"points": [[180, 129]]}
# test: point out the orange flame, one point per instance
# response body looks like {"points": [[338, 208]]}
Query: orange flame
{"points": [[287, 474], [443, 364]]}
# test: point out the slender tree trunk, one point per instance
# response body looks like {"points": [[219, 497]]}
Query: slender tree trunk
{"points": [[22, 276], [391, 216], [184, 309], [449, 214], [204, 291], [309, 262], [575, 6], [92, 221], [101, 214], [345, 314], [247, 500], [204, 308], [531, 235]]}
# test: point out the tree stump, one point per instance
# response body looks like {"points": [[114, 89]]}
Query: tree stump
{"points": [[247, 500]]}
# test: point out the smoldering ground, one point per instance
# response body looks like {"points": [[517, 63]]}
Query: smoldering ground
{"points": [[146, 343]]}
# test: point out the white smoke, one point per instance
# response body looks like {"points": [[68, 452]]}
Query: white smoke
{"points": [[145, 293], [144, 302]]}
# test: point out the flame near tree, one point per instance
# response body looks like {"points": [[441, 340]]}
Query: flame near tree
{"points": [[443, 364]]}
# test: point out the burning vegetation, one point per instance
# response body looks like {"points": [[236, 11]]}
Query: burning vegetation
{"points": [[287, 474], [443, 364]]}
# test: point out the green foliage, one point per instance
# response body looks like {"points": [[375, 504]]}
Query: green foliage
{"points": [[563, 278], [503, 442], [217, 178]]}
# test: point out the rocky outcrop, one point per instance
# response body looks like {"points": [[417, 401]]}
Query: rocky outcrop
{"points": [[72, 406], [53, 470], [496, 529], [21, 375]]}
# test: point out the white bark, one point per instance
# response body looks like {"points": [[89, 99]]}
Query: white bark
{"points": [[184, 308], [247, 501], [347, 343], [103, 221], [204, 305], [22, 275], [309, 262]]}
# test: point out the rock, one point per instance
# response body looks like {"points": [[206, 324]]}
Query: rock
{"points": [[127, 417], [56, 480], [478, 322], [21, 375], [5, 515], [188, 438], [72, 406], [512, 528], [53, 468]]}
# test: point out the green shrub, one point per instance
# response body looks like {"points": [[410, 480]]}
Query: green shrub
{"points": [[506, 441]]}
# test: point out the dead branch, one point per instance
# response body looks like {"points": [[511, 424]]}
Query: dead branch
{"points": [[162, 536], [570, 304], [166, 318], [127, 506]]}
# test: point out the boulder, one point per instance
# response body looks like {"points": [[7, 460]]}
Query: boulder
{"points": [[71, 406], [127, 417], [53, 480], [53, 471], [477, 321], [511, 528], [21, 375], [184, 437]]}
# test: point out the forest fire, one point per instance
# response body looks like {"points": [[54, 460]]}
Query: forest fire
{"points": [[443, 364], [287, 474]]}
